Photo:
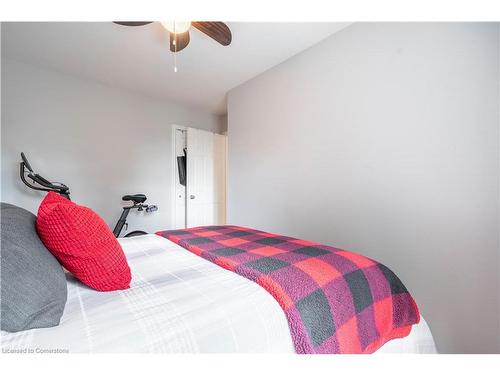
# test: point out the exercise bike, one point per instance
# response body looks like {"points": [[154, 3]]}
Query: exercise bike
{"points": [[42, 184]]}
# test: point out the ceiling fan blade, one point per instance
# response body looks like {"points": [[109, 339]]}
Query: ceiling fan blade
{"points": [[215, 30], [132, 23], [181, 39]]}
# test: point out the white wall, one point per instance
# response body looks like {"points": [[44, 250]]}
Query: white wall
{"points": [[100, 141], [383, 139]]}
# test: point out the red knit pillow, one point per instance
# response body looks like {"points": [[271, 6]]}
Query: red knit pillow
{"points": [[83, 243]]}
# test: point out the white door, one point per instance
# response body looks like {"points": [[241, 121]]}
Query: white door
{"points": [[201, 197]]}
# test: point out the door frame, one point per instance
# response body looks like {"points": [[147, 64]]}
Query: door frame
{"points": [[173, 195]]}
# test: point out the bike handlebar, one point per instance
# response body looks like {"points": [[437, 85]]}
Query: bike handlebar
{"points": [[45, 185], [26, 162], [152, 208]]}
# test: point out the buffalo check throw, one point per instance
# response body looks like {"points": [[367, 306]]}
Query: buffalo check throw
{"points": [[336, 301]]}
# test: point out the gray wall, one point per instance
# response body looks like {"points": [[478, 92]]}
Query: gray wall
{"points": [[383, 139], [100, 141]]}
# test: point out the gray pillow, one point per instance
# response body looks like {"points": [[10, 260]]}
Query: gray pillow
{"points": [[33, 283]]}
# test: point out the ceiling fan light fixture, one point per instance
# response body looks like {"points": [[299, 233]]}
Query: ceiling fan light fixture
{"points": [[177, 27]]}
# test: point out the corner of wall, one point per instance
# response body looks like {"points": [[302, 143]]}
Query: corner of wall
{"points": [[223, 124]]}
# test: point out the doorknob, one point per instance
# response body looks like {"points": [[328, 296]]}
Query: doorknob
{"points": [[192, 196]]}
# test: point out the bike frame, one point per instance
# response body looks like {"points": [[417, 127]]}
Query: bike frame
{"points": [[123, 219]]}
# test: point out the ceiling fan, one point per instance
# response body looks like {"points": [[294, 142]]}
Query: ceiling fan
{"points": [[179, 31]]}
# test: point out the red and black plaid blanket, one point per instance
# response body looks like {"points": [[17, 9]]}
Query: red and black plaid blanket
{"points": [[336, 301]]}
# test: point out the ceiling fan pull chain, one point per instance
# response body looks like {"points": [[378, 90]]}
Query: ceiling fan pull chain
{"points": [[175, 57]]}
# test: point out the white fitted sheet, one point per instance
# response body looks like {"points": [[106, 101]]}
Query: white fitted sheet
{"points": [[177, 303]]}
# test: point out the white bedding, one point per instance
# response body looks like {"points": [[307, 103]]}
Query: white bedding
{"points": [[177, 302]]}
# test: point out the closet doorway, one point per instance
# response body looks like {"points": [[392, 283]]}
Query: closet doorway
{"points": [[199, 166]]}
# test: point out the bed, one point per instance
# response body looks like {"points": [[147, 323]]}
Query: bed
{"points": [[177, 303]]}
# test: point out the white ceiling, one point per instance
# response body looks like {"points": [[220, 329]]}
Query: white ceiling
{"points": [[139, 59]]}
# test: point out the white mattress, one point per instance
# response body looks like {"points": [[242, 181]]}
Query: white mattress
{"points": [[177, 302]]}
